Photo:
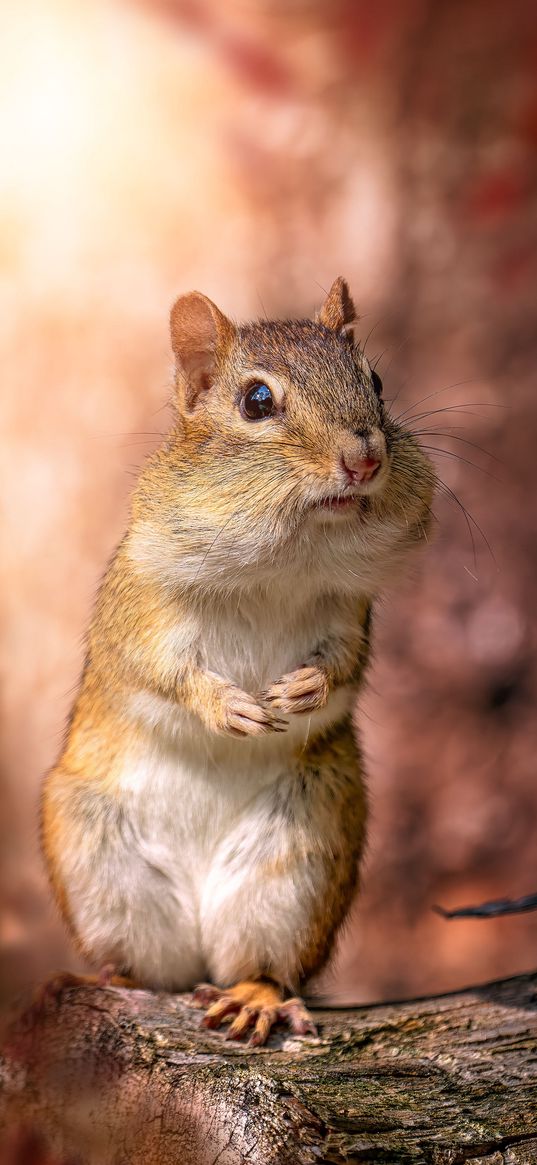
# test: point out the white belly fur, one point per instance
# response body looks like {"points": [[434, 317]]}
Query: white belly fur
{"points": [[183, 892]]}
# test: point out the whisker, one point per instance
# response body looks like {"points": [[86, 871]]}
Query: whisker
{"points": [[462, 408], [369, 334], [454, 437], [395, 351], [135, 444], [469, 518], [394, 399], [457, 457], [168, 403], [377, 358], [115, 436], [262, 304], [438, 392], [454, 497]]}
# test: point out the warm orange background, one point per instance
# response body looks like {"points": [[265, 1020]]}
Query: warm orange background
{"points": [[255, 150]]}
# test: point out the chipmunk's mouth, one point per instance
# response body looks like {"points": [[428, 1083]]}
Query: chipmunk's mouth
{"points": [[342, 503]]}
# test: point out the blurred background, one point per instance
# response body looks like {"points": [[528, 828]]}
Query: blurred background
{"points": [[254, 151]]}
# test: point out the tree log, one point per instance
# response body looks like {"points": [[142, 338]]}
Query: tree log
{"points": [[108, 1076]]}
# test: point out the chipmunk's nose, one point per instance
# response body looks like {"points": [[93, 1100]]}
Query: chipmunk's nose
{"points": [[362, 455], [359, 469]]}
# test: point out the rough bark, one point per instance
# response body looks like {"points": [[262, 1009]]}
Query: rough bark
{"points": [[127, 1077]]}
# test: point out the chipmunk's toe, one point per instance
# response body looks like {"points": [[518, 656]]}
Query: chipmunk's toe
{"points": [[204, 994], [252, 1004], [294, 1013]]}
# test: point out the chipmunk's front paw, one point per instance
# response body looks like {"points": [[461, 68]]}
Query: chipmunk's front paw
{"points": [[240, 714], [302, 690]]}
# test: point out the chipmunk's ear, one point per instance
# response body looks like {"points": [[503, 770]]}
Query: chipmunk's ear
{"points": [[338, 309], [200, 334]]}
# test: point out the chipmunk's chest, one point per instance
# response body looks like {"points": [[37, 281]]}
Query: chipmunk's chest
{"points": [[254, 643]]}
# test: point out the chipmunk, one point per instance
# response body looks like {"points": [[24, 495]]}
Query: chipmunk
{"points": [[206, 817]]}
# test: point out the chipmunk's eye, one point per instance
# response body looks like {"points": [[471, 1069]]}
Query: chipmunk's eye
{"points": [[377, 382], [258, 402]]}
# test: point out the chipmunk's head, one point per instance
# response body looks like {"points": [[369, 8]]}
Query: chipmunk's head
{"points": [[284, 441]]}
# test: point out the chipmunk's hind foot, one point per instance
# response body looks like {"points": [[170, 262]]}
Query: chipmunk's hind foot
{"points": [[252, 1003], [52, 988]]}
